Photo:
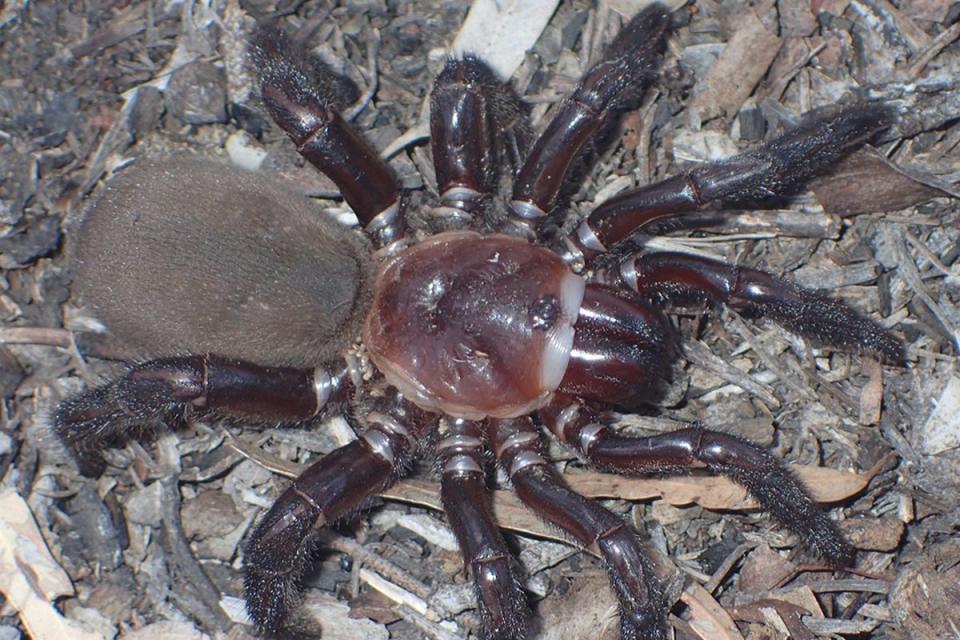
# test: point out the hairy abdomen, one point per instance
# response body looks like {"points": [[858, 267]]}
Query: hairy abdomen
{"points": [[191, 256]]}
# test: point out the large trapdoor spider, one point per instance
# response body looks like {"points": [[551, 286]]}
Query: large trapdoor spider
{"points": [[500, 334]]}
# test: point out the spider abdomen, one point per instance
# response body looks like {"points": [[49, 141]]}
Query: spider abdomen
{"points": [[192, 256], [473, 325]]}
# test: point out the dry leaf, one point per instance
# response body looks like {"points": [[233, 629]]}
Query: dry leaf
{"points": [[865, 182], [764, 569], [826, 485], [707, 617], [29, 576]]}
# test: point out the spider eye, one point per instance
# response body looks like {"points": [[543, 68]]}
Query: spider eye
{"points": [[544, 312]]}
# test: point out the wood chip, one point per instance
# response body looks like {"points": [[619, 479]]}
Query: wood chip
{"points": [[874, 534], [166, 630], [796, 18], [941, 431], [339, 623], [871, 396], [741, 65]]}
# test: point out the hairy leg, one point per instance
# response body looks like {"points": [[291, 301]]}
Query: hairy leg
{"points": [[476, 121], [628, 68], [335, 486], [157, 394], [767, 479], [777, 168], [304, 100], [680, 278]]}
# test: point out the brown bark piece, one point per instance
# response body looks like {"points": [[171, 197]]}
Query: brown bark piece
{"points": [[873, 534], [796, 18], [741, 65]]}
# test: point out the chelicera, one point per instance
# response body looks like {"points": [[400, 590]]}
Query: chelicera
{"points": [[483, 328]]}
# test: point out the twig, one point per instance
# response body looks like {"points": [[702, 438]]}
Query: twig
{"points": [[907, 269], [937, 45], [726, 566], [201, 599], [373, 83], [36, 335]]}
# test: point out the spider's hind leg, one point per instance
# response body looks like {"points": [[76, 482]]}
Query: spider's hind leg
{"points": [[158, 393]]}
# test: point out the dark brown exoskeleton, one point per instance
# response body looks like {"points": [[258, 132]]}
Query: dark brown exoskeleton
{"points": [[240, 299]]}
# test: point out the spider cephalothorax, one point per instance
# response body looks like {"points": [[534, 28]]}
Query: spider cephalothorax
{"points": [[487, 327]]}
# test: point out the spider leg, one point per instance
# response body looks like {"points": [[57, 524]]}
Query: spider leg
{"points": [[470, 109], [466, 504], [773, 485], [681, 278], [639, 592], [332, 488], [304, 103], [623, 348], [159, 392], [609, 86], [776, 168]]}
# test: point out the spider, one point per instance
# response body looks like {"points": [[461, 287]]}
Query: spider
{"points": [[238, 299]]}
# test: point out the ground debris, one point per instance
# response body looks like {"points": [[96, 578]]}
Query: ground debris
{"points": [[87, 86]]}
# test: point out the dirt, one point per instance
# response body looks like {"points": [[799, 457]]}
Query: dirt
{"points": [[154, 545]]}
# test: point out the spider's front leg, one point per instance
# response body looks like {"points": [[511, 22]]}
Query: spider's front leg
{"points": [[475, 119], [679, 278], [158, 393], [332, 488], [643, 610], [777, 168], [767, 479], [629, 67]]}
